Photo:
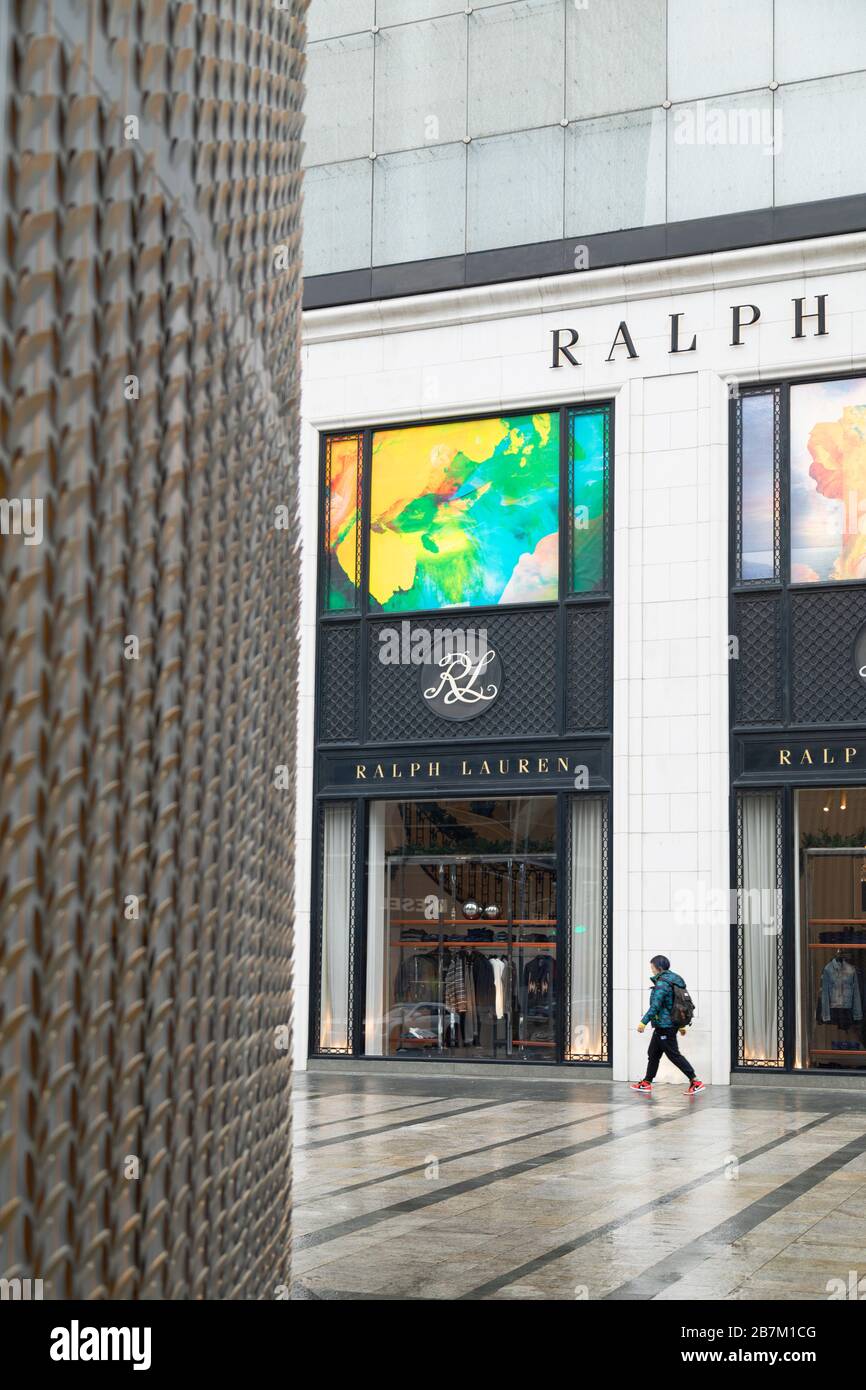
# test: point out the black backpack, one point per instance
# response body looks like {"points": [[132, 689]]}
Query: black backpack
{"points": [[682, 1006]]}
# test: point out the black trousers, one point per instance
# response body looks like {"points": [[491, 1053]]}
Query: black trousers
{"points": [[664, 1040]]}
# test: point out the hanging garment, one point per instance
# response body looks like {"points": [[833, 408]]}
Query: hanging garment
{"points": [[417, 978], [485, 988], [840, 989], [470, 1023], [502, 986], [484, 981], [538, 978], [498, 968], [455, 984]]}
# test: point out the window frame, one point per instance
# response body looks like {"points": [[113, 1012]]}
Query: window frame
{"points": [[781, 587], [782, 486], [562, 857], [364, 610]]}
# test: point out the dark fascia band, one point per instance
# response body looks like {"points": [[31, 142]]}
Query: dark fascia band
{"points": [[733, 231]]}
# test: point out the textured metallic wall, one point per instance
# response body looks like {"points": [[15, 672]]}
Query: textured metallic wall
{"points": [[149, 382]]}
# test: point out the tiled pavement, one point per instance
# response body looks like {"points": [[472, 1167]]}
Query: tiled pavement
{"points": [[423, 1188]]}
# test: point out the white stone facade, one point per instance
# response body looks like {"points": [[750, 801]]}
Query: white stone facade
{"points": [[489, 350]]}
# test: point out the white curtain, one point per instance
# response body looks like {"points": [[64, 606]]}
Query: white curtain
{"points": [[338, 844], [377, 935], [586, 928], [760, 924]]}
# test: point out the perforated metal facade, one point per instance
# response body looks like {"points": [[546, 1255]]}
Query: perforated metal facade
{"points": [[150, 333]]}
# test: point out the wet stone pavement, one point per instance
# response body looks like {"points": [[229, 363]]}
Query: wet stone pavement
{"points": [[417, 1188]]}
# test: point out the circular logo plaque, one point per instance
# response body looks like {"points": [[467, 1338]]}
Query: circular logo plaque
{"points": [[860, 654], [462, 684]]}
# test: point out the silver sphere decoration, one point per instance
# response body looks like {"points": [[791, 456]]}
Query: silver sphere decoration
{"points": [[471, 909], [491, 911]]}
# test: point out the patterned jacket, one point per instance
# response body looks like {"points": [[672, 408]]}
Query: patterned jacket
{"points": [[662, 998]]}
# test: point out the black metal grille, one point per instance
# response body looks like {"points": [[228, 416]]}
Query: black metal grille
{"points": [[588, 673], [825, 687], [526, 645], [340, 688], [757, 669]]}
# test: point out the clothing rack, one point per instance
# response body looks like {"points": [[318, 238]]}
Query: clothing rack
{"points": [[520, 936], [435, 942], [481, 921]]}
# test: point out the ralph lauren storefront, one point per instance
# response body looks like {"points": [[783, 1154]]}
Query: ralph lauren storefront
{"points": [[462, 896], [798, 720]]}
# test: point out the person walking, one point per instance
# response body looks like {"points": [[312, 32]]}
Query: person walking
{"points": [[662, 1007]]}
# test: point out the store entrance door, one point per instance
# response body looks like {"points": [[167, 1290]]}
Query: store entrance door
{"points": [[473, 944]]}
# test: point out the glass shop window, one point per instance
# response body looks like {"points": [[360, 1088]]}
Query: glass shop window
{"points": [[468, 954], [831, 937], [462, 930]]}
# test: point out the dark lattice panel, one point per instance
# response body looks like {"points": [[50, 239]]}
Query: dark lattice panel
{"points": [[147, 682], [340, 683], [757, 668], [588, 673], [526, 645], [825, 688]]}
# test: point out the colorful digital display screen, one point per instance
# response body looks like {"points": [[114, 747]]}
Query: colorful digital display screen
{"points": [[342, 523], [588, 457], [828, 481], [465, 514]]}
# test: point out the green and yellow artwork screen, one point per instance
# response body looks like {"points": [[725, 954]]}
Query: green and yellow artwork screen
{"points": [[588, 450], [465, 514]]}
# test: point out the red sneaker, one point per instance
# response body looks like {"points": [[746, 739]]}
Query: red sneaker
{"points": [[695, 1086], [644, 1087]]}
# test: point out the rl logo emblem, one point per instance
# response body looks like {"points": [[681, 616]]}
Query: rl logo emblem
{"points": [[462, 684]]}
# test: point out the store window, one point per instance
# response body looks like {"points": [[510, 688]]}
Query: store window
{"points": [[466, 513], [473, 950], [830, 831], [462, 929]]}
